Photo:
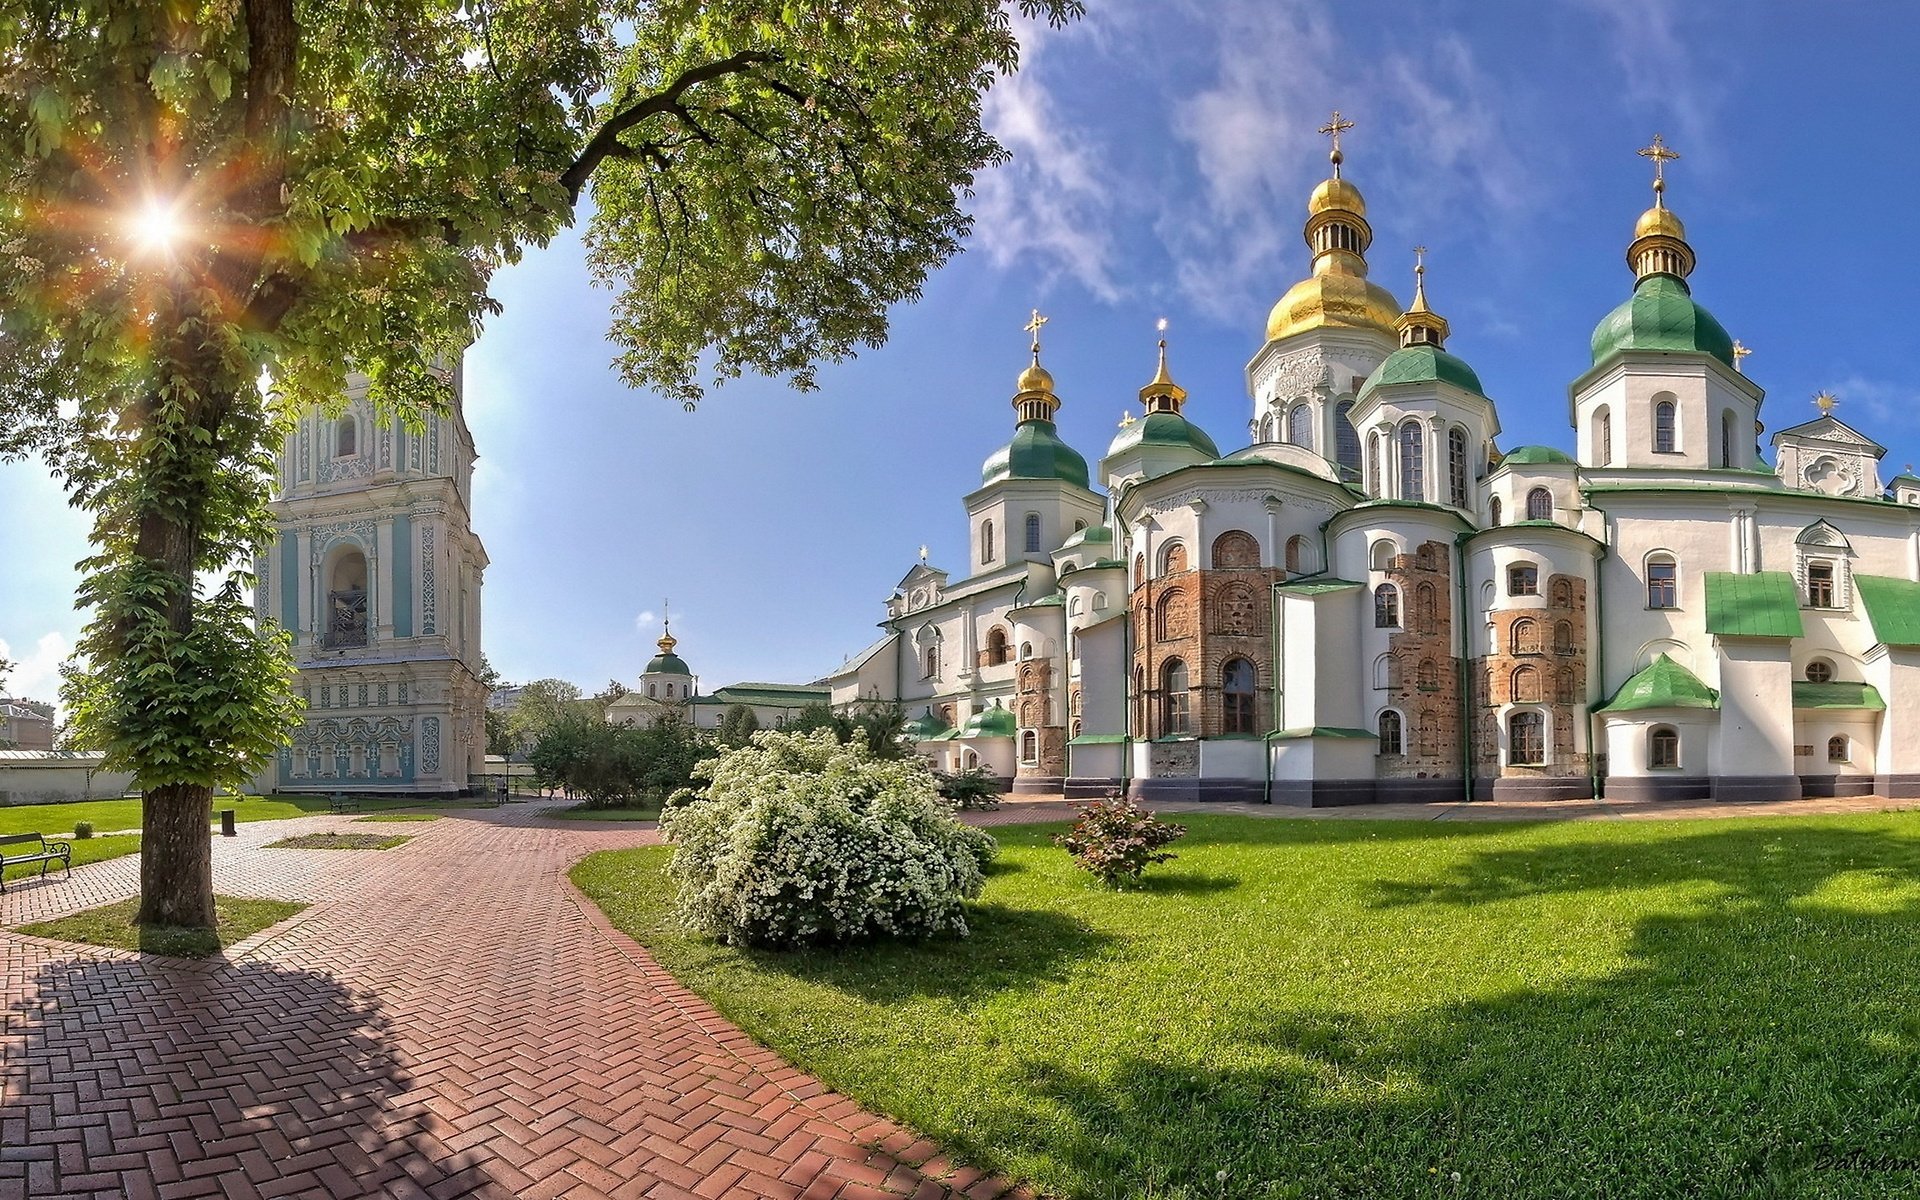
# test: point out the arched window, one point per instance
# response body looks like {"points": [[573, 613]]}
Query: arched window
{"points": [[1663, 749], [1562, 594], [347, 599], [1079, 525], [1026, 651], [1267, 428], [1173, 558], [996, 646], [1235, 548], [346, 437], [1029, 747], [1525, 636], [1563, 637], [1386, 672], [1526, 685], [1099, 602], [652, 694], [1380, 554], [1539, 504], [986, 542], [1664, 437], [1236, 690], [1602, 437], [1493, 511], [1390, 734], [1139, 701], [1839, 749], [1139, 569], [1386, 607], [1726, 439], [1033, 533], [1300, 425], [932, 662], [1174, 698], [1819, 671], [1523, 579], [1426, 607], [1166, 620], [1427, 677], [1296, 558], [1373, 463], [1413, 474], [1346, 439], [1457, 467], [1076, 606], [1526, 739], [1663, 581]]}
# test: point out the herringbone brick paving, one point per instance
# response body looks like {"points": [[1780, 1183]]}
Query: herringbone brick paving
{"points": [[448, 1019]]}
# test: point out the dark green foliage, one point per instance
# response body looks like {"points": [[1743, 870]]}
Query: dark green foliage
{"points": [[1116, 839], [1356, 1008], [82, 830], [971, 787], [738, 725], [875, 724], [617, 765], [339, 841]]}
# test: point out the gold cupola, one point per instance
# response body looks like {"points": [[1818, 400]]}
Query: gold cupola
{"points": [[1420, 325], [1337, 294], [1162, 394], [1659, 244], [1033, 396]]}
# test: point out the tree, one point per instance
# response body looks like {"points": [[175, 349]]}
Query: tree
{"points": [[611, 765], [197, 196], [875, 724], [738, 724], [542, 704]]}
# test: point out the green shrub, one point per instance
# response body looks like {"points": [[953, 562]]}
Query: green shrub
{"points": [[1115, 837], [82, 830], [801, 840], [970, 788]]}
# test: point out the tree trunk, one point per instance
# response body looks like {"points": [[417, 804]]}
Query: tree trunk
{"points": [[176, 856]]}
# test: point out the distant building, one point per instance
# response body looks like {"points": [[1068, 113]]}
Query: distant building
{"points": [[26, 725], [667, 686], [505, 699]]}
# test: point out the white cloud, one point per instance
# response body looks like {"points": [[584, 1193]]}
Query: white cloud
{"points": [[1875, 402], [36, 672], [1052, 205], [1660, 68], [646, 621]]}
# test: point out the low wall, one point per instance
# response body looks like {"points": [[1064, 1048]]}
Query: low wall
{"points": [[57, 777]]}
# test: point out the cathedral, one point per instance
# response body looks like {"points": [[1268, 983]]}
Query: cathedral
{"points": [[376, 573], [1373, 603]]}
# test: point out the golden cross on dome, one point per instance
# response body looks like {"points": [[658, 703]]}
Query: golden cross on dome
{"points": [[1333, 129], [1661, 154], [1740, 351], [1126, 418], [1033, 326], [1825, 401], [1419, 264]]}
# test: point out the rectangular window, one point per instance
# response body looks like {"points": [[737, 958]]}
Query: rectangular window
{"points": [[1526, 742], [1523, 581], [1176, 712], [1661, 591], [1239, 712], [1820, 585]]}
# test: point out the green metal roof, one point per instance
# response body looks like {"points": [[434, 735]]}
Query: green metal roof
{"points": [[925, 727], [1164, 429], [1313, 587], [989, 722], [1422, 364], [666, 664], [1763, 604], [1326, 731], [1903, 477], [1893, 607], [1838, 695], [1534, 456], [1662, 683], [1092, 533], [1036, 452], [768, 695], [1098, 739], [1661, 315]]}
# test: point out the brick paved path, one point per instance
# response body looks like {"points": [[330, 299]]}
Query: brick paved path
{"points": [[448, 1019]]}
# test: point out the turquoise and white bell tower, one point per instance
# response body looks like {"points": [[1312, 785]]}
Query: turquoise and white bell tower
{"points": [[377, 574]]}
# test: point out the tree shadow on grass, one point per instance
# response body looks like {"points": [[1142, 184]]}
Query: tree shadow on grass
{"points": [[232, 1071], [1761, 1038], [1006, 948]]}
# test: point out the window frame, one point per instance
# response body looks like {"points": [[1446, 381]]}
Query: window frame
{"points": [[1845, 744], [1237, 705], [1666, 427], [1391, 718], [1033, 534], [1523, 570], [1823, 665], [1458, 492], [1663, 736], [1670, 586], [1386, 604], [1537, 722], [1176, 703], [1539, 504], [1411, 443]]}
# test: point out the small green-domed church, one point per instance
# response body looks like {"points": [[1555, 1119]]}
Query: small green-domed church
{"points": [[1372, 602]]}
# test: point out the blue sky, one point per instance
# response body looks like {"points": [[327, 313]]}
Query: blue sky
{"points": [[1163, 153]]}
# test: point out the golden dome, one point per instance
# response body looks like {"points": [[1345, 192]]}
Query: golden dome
{"points": [[1035, 379], [1336, 193], [1659, 220], [1338, 301]]}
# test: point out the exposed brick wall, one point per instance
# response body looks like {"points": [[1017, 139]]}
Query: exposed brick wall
{"points": [[1207, 618], [1428, 676], [1553, 655], [1033, 709]]}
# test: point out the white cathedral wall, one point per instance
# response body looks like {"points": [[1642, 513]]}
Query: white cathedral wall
{"points": [[1626, 739], [1756, 708], [1895, 671]]}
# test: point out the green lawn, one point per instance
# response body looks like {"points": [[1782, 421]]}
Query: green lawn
{"points": [[56, 820], [237, 918], [339, 841], [400, 816], [1377, 1009], [87, 850]]}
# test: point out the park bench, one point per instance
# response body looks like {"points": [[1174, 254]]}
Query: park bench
{"points": [[343, 803], [42, 851]]}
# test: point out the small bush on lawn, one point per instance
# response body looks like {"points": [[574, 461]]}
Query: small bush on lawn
{"points": [[1115, 837], [82, 830], [971, 788], [801, 840]]}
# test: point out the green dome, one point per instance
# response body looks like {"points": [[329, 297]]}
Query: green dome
{"points": [[1164, 429], [667, 664], [1523, 456], [989, 722], [1661, 315], [1423, 364], [1036, 452], [1092, 533]]}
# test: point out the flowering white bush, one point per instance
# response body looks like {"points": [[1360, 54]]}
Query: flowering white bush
{"points": [[801, 840]]}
